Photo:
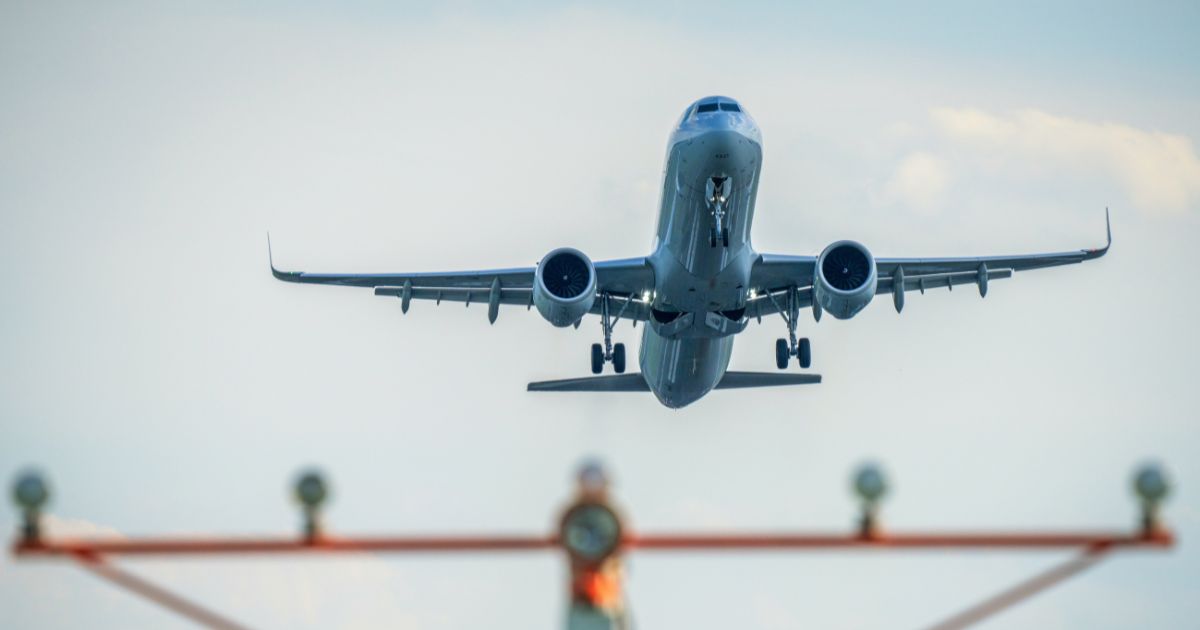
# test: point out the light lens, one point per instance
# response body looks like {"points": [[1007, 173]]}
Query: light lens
{"points": [[591, 532], [30, 491], [869, 483], [311, 489], [1151, 484]]}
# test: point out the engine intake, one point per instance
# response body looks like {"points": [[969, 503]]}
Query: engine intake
{"points": [[564, 286], [845, 279]]}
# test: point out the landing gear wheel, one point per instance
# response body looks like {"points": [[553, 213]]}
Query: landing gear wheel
{"points": [[781, 353], [712, 237], [725, 237], [619, 358], [597, 359], [804, 353]]}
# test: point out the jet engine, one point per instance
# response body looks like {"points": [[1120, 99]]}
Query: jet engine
{"points": [[845, 279], [564, 286]]}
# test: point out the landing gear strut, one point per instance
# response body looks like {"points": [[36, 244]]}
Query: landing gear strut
{"points": [[717, 194], [791, 347], [609, 351]]}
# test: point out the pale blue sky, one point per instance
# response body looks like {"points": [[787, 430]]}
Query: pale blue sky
{"points": [[169, 385]]}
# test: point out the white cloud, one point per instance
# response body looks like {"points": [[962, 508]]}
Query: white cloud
{"points": [[920, 181], [59, 527], [1159, 172]]}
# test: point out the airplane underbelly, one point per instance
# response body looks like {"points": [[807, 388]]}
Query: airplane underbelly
{"points": [[682, 371], [694, 272]]}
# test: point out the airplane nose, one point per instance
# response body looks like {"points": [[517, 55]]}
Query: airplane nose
{"points": [[730, 126], [731, 144]]}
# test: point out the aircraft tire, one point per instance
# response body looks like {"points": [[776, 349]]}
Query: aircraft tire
{"points": [[804, 353], [619, 358], [597, 359], [781, 353], [725, 237]]}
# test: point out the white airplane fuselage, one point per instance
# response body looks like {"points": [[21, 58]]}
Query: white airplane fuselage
{"points": [[701, 288]]}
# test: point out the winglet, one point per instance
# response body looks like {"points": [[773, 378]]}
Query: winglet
{"points": [[1100, 251], [287, 276]]}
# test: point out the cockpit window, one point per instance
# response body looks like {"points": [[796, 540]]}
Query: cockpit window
{"points": [[706, 107], [730, 107]]}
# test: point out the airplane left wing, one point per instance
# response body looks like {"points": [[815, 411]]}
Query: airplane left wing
{"points": [[624, 281]]}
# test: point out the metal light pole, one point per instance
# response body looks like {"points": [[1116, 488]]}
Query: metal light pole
{"points": [[311, 492], [31, 493]]}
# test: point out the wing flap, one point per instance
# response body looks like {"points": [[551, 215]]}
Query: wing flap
{"points": [[940, 280], [518, 296], [621, 307]]}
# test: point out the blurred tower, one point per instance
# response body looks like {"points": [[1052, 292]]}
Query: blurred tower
{"points": [[590, 531]]}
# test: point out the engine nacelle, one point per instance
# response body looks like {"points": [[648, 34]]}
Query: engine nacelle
{"points": [[564, 286], [845, 279]]}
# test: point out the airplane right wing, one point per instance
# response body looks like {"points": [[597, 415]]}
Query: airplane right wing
{"points": [[777, 278]]}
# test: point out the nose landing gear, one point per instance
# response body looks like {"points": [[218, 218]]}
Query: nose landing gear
{"points": [[717, 193], [785, 349], [615, 353]]}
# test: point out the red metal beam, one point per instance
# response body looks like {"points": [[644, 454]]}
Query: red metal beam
{"points": [[1024, 590], [202, 546], [158, 595], [662, 542], [982, 540]]}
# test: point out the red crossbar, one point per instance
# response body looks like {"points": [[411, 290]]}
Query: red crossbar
{"points": [[201, 546], [90, 553], [658, 542]]}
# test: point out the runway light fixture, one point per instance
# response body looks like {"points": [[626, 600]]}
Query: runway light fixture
{"points": [[592, 479], [1152, 487], [312, 492], [31, 493], [870, 485], [590, 533]]}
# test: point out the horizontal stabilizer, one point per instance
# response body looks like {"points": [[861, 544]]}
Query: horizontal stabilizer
{"points": [[615, 383], [635, 382], [738, 380]]}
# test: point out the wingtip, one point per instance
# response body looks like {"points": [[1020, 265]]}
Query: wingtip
{"points": [[289, 276], [1107, 227], [1100, 251], [271, 257]]}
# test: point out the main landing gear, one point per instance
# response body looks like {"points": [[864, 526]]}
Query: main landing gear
{"points": [[615, 353], [717, 194], [785, 349]]}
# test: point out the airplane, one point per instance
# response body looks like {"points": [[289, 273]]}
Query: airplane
{"points": [[703, 280]]}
